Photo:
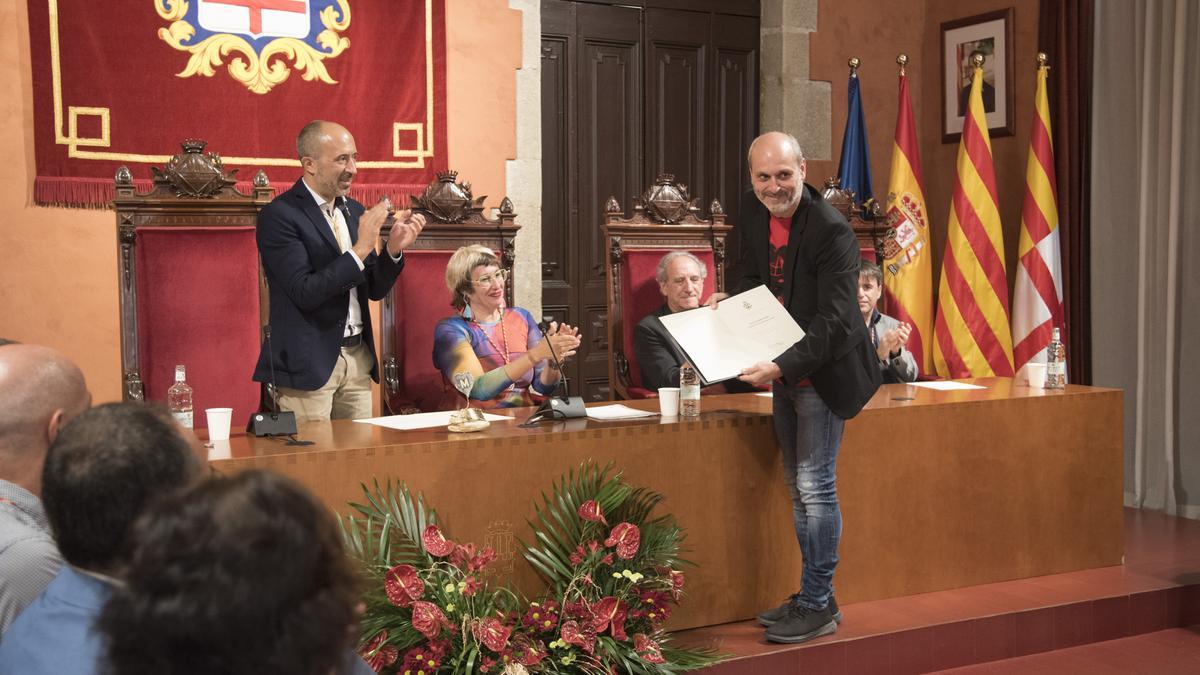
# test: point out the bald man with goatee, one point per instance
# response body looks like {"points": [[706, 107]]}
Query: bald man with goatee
{"points": [[803, 250], [40, 390]]}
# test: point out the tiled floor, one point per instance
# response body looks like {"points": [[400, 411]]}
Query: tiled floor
{"points": [[1157, 589]]}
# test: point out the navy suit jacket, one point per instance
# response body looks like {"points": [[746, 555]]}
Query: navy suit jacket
{"points": [[820, 275], [309, 280]]}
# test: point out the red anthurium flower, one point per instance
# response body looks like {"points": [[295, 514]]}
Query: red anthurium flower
{"points": [[528, 652], [626, 537], [376, 654], [610, 612], [428, 619], [436, 543], [492, 632], [647, 649], [590, 510], [582, 637], [403, 585]]}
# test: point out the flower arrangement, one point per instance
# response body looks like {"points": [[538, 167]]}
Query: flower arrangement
{"points": [[612, 581]]}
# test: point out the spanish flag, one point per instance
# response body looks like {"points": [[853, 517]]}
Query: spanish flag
{"points": [[907, 269], [1037, 298], [971, 334]]}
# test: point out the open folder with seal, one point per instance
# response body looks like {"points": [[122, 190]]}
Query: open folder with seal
{"points": [[743, 330]]}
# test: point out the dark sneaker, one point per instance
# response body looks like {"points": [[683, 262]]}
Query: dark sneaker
{"points": [[801, 625], [772, 616]]}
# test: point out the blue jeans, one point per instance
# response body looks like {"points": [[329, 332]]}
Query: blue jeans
{"points": [[809, 435]]}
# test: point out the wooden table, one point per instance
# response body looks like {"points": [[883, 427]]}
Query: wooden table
{"points": [[938, 489]]}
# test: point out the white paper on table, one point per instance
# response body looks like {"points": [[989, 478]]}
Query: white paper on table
{"points": [[947, 385], [422, 420], [616, 411], [743, 330], [765, 394]]}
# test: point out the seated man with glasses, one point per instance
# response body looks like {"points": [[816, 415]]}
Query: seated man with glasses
{"points": [[501, 348], [680, 277]]}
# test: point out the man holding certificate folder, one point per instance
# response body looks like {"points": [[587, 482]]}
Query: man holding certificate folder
{"points": [[803, 250]]}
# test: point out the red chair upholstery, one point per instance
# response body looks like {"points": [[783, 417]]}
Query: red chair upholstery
{"points": [[420, 298], [664, 219], [191, 287], [198, 305]]}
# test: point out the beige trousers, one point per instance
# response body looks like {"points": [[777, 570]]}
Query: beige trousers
{"points": [[347, 394]]}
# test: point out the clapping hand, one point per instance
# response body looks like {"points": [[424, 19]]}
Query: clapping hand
{"points": [[404, 231], [893, 341]]}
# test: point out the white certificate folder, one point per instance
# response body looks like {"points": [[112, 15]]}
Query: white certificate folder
{"points": [[743, 330]]}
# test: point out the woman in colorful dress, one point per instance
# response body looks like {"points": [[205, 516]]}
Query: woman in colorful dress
{"points": [[502, 348]]}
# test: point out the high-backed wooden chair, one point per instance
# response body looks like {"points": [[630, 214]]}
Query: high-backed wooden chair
{"points": [[191, 286], [420, 298], [869, 224], [664, 219]]}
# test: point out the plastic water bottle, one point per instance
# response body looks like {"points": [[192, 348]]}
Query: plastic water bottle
{"points": [[689, 391], [1056, 363], [179, 399]]}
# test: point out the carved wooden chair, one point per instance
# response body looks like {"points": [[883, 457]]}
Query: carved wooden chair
{"points": [[664, 219], [869, 224], [191, 287], [420, 299]]}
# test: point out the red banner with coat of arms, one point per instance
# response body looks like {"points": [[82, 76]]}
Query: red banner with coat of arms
{"points": [[123, 83]]}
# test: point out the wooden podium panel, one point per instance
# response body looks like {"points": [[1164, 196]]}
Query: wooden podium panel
{"points": [[939, 489]]}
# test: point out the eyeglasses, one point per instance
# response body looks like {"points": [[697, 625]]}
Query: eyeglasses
{"points": [[486, 280]]}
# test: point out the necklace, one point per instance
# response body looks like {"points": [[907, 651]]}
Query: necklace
{"points": [[504, 353]]}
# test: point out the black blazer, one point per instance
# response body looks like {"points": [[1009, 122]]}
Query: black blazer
{"points": [[821, 293], [309, 281]]}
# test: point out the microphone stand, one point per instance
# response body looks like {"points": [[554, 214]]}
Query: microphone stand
{"points": [[556, 407], [275, 422]]}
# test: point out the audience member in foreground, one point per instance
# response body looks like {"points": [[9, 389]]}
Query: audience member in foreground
{"points": [[101, 472], [40, 390], [235, 575]]}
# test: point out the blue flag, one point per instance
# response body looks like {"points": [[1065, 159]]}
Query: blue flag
{"points": [[854, 169]]}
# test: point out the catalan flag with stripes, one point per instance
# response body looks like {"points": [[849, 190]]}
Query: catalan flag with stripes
{"points": [[907, 268], [1037, 298], [971, 332]]}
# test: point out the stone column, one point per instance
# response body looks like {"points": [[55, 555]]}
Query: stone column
{"points": [[788, 100], [523, 175]]}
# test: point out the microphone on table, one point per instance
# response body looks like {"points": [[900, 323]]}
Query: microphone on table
{"points": [[274, 422], [556, 407]]}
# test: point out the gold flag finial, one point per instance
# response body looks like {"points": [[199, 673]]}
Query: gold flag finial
{"points": [[902, 60], [977, 59], [1041, 59], [853, 63]]}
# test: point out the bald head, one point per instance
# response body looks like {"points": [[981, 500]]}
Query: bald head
{"points": [[777, 171], [328, 157], [40, 389]]}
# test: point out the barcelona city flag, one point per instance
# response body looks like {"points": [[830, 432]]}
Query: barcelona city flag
{"points": [[1037, 298], [907, 268], [971, 333], [854, 167]]}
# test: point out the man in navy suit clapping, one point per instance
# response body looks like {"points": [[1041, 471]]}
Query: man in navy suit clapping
{"points": [[318, 250]]}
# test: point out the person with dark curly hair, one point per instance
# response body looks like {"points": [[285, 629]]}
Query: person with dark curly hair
{"points": [[100, 473], [235, 575]]}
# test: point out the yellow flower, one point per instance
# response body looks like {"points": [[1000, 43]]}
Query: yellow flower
{"points": [[450, 607], [449, 588]]}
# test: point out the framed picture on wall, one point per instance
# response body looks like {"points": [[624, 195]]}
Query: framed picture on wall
{"points": [[991, 35]]}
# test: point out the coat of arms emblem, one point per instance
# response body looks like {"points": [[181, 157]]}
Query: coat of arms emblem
{"points": [[262, 40]]}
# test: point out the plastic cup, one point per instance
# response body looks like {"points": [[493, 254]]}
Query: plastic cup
{"points": [[1035, 373], [218, 423], [668, 401]]}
